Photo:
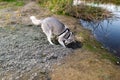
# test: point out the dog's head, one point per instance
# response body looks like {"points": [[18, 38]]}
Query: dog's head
{"points": [[70, 39]]}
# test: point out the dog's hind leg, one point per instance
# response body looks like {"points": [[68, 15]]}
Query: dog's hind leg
{"points": [[49, 36], [48, 32]]}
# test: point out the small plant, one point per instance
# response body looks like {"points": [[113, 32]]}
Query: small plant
{"points": [[19, 3]]}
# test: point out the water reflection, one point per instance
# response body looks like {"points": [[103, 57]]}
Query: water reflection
{"points": [[107, 32]]}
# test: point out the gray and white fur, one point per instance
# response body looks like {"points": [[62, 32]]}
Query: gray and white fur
{"points": [[52, 26]]}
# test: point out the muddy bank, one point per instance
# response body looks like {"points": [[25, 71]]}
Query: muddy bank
{"points": [[85, 65]]}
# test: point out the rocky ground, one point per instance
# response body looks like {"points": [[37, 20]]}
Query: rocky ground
{"points": [[25, 53]]}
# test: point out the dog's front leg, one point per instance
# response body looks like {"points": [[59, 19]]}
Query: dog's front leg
{"points": [[60, 40]]}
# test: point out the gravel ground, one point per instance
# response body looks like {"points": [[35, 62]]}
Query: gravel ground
{"points": [[24, 47]]}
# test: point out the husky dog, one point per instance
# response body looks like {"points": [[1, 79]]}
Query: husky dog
{"points": [[53, 27]]}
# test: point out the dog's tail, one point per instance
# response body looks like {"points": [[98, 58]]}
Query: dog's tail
{"points": [[35, 20]]}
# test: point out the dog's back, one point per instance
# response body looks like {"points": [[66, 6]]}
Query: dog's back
{"points": [[55, 25]]}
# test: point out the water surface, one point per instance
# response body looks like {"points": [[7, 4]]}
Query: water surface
{"points": [[106, 31]]}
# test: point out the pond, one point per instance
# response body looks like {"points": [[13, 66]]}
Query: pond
{"points": [[106, 31]]}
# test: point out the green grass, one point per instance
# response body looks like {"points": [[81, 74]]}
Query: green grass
{"points": [[8, 0], [56, 6], [95, 47], [111, 57], [19, 3], [13, 2]]}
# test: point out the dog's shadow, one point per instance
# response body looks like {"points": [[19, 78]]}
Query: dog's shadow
{"points": [[74, 45]]}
